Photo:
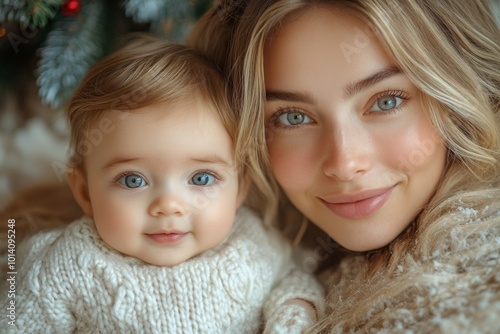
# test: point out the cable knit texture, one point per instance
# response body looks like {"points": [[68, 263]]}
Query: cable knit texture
{"points": [[70, 280]]}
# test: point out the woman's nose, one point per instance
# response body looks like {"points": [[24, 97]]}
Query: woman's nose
{"points": [[347, 153], [167, 203]]}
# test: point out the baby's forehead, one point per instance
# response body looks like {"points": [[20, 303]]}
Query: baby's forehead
{"points": [[192, 108], [193, 127]]}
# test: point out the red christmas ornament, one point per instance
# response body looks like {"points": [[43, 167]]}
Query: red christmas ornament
{"points": [[71, 7]]}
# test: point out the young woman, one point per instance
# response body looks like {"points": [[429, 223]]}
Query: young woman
{"points": [[379, 121]]}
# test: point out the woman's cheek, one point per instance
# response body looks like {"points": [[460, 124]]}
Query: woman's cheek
{"points": [[420, 147]]}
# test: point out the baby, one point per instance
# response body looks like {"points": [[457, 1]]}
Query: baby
{"points": [[165, 245]]}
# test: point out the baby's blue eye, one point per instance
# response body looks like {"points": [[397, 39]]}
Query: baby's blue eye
{"points": [[387, 103], [202, 179], [132, 181], [293, 118]]}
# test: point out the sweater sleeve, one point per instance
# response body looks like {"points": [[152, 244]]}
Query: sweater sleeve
{"points": [[38, 303], [284, 313], [291, 292], [296, 285]]}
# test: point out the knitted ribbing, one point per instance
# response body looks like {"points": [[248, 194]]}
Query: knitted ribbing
{"points": [[71, 280]]}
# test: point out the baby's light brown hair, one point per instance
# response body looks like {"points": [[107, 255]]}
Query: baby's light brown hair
{"points": [[145, 71]]}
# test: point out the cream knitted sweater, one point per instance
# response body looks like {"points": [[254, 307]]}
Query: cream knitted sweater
{"points": [[71, 281], [448, 283]]}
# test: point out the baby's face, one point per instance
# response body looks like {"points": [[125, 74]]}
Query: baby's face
{"points": [[162, 182]]}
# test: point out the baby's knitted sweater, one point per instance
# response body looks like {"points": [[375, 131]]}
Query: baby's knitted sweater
{"points": [[70, 280]]}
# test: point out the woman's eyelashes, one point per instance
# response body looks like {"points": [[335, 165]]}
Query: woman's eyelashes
{"points": [[389, 102], [131, 180], [289, 118], [386, 102]]}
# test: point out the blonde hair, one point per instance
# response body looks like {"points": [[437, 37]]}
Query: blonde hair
{"points": [[450, 51]]}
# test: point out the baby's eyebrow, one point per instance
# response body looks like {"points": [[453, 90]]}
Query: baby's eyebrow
{"points": [[206, 159], [119, 160], [214, 159]]}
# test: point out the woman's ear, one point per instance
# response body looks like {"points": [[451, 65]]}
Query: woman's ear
{"points": [[243, 189], [80, 190]]}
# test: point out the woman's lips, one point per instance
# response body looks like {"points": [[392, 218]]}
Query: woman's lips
{"points": [[167, 238], [359, 205]]}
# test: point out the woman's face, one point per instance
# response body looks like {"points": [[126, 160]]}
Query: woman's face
{"points": [[348, 138]]}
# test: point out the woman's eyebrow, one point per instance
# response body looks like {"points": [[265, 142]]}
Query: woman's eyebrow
{"points": [[373, 79], [278, 95], [349, 90]]}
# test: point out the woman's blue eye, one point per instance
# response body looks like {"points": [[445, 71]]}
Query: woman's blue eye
{"points": [[293, 118], [202, 179], [132, 181], [387, 103]]}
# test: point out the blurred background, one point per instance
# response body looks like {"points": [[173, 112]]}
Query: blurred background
{"points": [[46, 47]]}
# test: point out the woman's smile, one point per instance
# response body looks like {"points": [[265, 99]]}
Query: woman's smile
{"points": [[358, 205]]}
